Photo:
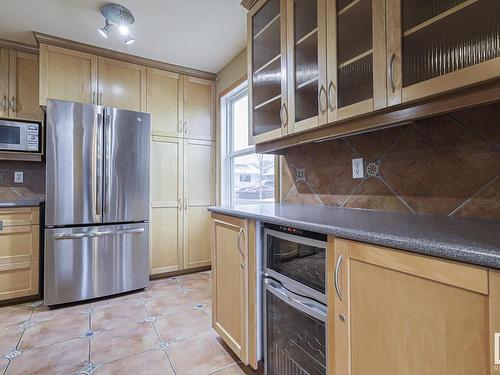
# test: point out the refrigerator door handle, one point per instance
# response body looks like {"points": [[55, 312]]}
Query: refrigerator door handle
{"points": [[107, 159], [72, 236], [98, 168]]}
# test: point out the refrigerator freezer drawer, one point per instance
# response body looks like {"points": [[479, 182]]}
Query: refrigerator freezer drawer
{"points": [[89, 262]]}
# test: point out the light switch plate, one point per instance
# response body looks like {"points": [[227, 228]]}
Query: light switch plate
{"points": [[18, 177], [358, 168]]}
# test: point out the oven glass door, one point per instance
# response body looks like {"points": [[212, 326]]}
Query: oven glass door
{"points": [[295, 335], [299, 258], [10, 137]]}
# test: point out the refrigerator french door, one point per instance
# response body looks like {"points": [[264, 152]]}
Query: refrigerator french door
{"points": [[97, 195]]}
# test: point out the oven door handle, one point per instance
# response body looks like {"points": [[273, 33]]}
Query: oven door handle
{"points": [[306, 305]]}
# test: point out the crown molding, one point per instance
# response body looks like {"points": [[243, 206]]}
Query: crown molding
{"points": [[104, 52], [248, 3], [18, 46]]}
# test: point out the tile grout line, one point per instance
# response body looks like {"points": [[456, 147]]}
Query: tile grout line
{"points": [[397, 195], [468, 200], [353, 191], [460, 123]]}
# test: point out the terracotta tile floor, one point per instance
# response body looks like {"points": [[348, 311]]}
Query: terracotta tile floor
{"points": [[165, 329]]}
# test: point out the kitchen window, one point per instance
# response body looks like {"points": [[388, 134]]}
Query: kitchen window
{"points": [[247, 177]]}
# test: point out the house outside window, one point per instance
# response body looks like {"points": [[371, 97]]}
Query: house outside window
{"points": [[247, 177]]}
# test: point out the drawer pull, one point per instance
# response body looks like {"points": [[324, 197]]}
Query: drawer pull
{"points": [[1, 225], [336, 277]]}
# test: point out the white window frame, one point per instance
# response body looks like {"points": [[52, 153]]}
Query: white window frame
{"points": [[227, 146]]}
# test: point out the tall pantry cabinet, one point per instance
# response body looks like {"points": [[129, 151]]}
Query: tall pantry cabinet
{"points": [[182, 169]]}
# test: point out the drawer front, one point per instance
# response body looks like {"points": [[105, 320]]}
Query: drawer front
{"points": [[19, 216], [19, 282], [18, 241]]}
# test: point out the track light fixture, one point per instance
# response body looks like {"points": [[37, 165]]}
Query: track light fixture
{"points": [[119, 16]]}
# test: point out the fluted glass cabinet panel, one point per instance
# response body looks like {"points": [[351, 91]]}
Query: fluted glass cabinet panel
{"points": [[355, 81], [266, 63], [466, 37]]}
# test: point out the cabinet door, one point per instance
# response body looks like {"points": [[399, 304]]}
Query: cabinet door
{"points": [[165, 102], [307, 90], [199, 108], [23, 90], [408, 314], [267, 78], [122, 85], [229, 251], [4, 82], [199, 184], [67, 75], [356, 57], [166, 204], [439, 47]]}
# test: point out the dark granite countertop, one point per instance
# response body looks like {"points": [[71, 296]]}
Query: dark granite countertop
{"points": [[19, 197], [475, 241]]}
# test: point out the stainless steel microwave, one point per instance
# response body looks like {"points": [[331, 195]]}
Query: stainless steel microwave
{"points": [[20, 136]]}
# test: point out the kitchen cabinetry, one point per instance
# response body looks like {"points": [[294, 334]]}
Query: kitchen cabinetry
{"points": [[19, 85], [121, 84], [19, 252], [182, 187], [233, 285], [81, 77], [67, 75], [199, 108], [391, 312], [441, 46]]}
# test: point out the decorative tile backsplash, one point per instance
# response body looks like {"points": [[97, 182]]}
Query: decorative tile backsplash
{"points": [[445, 165], [34, 175]]}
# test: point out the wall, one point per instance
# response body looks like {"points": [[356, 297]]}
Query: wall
{"points": [[446, 165], [34, 175]]}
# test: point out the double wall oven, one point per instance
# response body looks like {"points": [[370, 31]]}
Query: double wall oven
{"points": [[294, 301]]}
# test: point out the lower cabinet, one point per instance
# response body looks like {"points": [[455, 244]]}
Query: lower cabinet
{"points": [[182, 188], [234, 315], [393, 313], [19, 252]]}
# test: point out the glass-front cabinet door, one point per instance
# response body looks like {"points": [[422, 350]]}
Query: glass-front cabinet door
{"points": [[267, 70], [438, 45], [356, 57], [307, 91]]}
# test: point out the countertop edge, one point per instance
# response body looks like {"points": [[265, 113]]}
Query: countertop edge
{"points": [[444, 250]]}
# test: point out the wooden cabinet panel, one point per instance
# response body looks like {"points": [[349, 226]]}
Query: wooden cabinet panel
{"points": [[67, 75], [18, 241], [165, 102], [196, 237], [199, 108], [4, 82], [166, 204], [23, 92], [229, 252], [199, 172], [397, 313], [122, 85]]}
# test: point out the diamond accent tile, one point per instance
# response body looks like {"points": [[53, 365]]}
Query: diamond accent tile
{"points": [[199, 306], [162, 345], [88, 369], [89, 334], [27, 324], [150, 319], [13, 354], [36, 304], [372, 168], [301, 174]]}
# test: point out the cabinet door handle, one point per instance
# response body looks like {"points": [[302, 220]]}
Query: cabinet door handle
{"points": [[331, 102], [179, 204], [238, 242], [180, 126], [185, 127], [93, 97], [13, 105], [284, 115], [5, 103], [1, 225], [185, 203], [336, 277], [100, 99], [391, 72], [322, 91]]}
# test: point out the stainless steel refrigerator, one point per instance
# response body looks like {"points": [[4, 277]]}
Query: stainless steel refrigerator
{"points": [[97, 201]]}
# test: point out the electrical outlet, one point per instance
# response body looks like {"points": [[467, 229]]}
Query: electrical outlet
{"points": [[358, 168], [18, 177]]}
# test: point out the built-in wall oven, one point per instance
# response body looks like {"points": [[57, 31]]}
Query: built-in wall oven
{"points": [[294, 301], [20, 136]]}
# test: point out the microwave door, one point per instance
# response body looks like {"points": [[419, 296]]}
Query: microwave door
{"points": [[126, 166], [12, 136], [73, 164]]}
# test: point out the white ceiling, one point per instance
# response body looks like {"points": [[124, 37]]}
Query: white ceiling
{"points": [[199, 34]]}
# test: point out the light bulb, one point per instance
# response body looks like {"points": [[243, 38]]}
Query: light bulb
{"points": [[123, 29]]}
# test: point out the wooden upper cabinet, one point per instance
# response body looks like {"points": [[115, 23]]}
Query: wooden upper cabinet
{"points": [[199, 108], [67, 75], [4, 82], [267, 74], [439, 47], [307, 84], [356, 57], [399, 313], [121, 84], [229, 275], [23, 86], [165, 102]]}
